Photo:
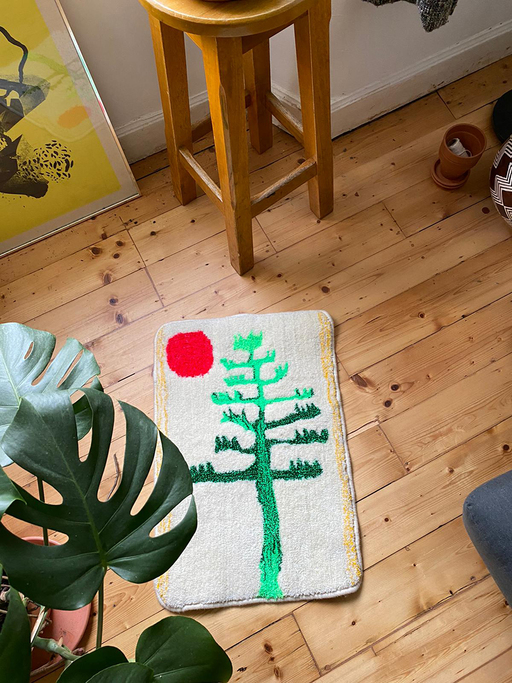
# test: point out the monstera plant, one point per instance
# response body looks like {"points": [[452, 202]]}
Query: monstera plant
{"points": [[46, 409]]}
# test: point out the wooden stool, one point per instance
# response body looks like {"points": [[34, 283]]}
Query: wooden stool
{"points": [[234, 38]]}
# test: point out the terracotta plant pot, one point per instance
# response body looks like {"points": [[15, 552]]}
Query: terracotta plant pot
{"points": [[451, 171], [68, 625]]}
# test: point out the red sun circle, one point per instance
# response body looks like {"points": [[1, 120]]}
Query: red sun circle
{"points": [[190, 354]]}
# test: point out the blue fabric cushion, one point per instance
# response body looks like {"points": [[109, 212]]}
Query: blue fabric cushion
{"points": [[488, 520]]}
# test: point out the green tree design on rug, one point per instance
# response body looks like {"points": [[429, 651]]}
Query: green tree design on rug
{"points": [[260, 470]]}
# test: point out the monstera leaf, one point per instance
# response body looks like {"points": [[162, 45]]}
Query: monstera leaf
{"points": [[15, 642], [83, 669], [179, 650], [175, 650], [24, 355], [127, 673], [101, 534], [8, 492]]}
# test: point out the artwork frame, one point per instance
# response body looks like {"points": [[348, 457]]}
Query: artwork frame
{"points": [[60, 160]]}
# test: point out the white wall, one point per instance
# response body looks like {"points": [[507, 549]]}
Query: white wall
{"points": [[381, 58], [115, 40]]}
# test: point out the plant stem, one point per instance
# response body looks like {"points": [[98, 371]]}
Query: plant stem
{"points": [[40, 621], [101, 604], [40, 488], [52, 646]]}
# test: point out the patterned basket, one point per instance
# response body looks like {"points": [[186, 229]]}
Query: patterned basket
{"points": [[501, 181]]}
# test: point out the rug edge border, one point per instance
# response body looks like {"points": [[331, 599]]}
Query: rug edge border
{"points": [[354, 587]]}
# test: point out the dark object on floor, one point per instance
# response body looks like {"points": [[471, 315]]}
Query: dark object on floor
{"points": [[502, 117], [501, 181], [433, 13], [488, 520]]}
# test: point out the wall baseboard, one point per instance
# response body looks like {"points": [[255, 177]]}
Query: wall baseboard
{"points": [[374, 100], [145, 136]]}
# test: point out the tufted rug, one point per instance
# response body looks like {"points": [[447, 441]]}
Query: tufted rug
{"points": [[253, 403]]}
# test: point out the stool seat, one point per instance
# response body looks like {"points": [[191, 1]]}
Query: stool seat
{"points": [[235, 18]]}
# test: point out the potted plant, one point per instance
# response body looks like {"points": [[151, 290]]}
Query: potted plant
{"points": [[461, 149], [64, 626], [45, 412]]}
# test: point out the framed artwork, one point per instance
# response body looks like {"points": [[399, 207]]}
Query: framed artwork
{"points": [[60, 161]]}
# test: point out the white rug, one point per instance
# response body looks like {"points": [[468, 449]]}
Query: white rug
{"points": [[252, 401]]}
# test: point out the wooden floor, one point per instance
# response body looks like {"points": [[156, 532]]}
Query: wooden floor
{"points": [[419, 283]]}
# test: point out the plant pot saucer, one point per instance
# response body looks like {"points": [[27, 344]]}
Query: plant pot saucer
{"points": [[442, 181]]}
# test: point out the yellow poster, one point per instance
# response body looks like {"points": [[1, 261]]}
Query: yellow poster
{"points": [[59, 160]]}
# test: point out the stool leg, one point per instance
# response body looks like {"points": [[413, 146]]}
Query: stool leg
{"points": [[169, 46], [312, 47], [257, 82], [223, 63]]}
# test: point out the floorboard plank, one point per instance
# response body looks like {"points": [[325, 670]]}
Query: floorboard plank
{"points": [[182, 227], [176, 230], [103, 310], [152, 164], [452, 416], [56, 247], [156, 198], [271, 280], [279, 652], [355, 188], [380, 277], [68, 279], [431, 496], [426, 368], [425, 309], [442, 646], [207, 262], [428, 571], [497, 670], [426, 204], [374, 462], [229, 626], [478, 89]]}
